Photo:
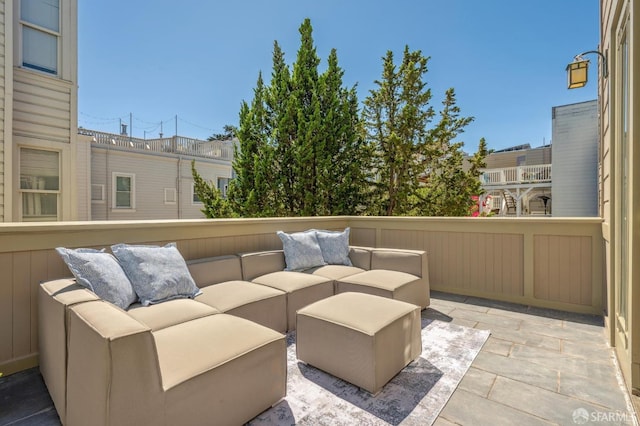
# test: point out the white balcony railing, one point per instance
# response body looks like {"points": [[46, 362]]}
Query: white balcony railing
{"points": [[516, 175], [221, 150]]}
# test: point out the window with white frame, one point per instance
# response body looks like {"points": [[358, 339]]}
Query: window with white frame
{"points": [[194, 195], [40, 27], [124, 191], [39, 184]]}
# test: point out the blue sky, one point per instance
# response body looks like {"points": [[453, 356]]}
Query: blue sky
{"points": [[198, 60]]}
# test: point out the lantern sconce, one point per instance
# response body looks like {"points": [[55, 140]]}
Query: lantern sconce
{"points": [[577, 71]]}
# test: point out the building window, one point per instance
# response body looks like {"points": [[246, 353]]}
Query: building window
{"points": [[40, 26], [223, 186], [124, 194], [39, 184], [170, 196], [194, 196]]}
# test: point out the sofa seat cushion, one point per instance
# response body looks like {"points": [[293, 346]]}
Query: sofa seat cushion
{"points": [[265, 305], [170, 313], [184, 353], [301, 288], [381, 282], [334, 272]]}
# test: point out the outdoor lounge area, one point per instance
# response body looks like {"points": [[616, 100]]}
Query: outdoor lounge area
{"points": [[514, 332], [538, 367]]}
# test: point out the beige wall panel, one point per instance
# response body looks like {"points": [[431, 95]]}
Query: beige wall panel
{"points": [[363, 237], [563, 269], [6, 307], [51, 89], [39, 272], [22, 304]]}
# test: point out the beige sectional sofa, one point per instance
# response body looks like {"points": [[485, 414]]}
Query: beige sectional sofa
{"points": [[219, 358]]}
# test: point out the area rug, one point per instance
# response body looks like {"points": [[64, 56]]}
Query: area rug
{"points": [[413, 397]]}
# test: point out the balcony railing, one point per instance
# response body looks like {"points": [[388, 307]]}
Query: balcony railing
{"points": [[516, 175], [220, 150], [554, 263]]}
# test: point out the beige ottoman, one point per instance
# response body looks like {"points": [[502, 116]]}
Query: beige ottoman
{"points": [[360, 338]]}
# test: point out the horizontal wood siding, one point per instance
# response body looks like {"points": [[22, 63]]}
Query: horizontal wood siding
{"points": [[42, 107], [153, 174], [547, 262]]}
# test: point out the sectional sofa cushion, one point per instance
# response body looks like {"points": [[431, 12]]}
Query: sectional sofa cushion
{"points": [[101, 273], [157, 273], [170, 313], [262, 304], [386, 283], [334, 246], [301, 250]]}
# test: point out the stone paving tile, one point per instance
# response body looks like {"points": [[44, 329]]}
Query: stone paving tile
{"points": [[498, 346], [453, 304], [567, 316], [525, 316], [523, 338], [465, 408], [565, 363], [606, 394], [563, 332], [493, 320], [543, 403], [464, 322], [517, 369], [477, 381], [441, 421], [437, 314], [593, 351]]}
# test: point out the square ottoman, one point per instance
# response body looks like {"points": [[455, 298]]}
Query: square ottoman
{"points": [[361, 338]]}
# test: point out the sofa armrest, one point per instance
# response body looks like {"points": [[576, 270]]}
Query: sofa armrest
{"points": [[113, 373], [413, 262], [54, 299]]}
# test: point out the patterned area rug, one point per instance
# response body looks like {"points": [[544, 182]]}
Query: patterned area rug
{"points": [[413, 397]]}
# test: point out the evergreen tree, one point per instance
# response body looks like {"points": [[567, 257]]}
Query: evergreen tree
{"points": [[397, 114], [215, 206], [447, 189]]}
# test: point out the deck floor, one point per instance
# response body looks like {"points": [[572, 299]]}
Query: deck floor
{"points": [[539, 367]]}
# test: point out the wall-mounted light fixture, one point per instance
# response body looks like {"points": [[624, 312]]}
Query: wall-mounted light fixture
{"points": [[578, 70]]}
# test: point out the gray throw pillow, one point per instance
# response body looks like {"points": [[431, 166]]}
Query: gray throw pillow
{"points": [[301, 250], [101, 273], [334, 246], [157, 273]]}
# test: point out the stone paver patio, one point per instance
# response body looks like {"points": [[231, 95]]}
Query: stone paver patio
{"points": [[539, 367]]}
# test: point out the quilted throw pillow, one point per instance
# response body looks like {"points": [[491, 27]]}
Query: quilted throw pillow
{"points": [[157, 273], [335, 246], [101, 273], [301, 250]]}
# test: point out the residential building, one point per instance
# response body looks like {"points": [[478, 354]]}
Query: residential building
{"points": [[132, 178], [619, 172], [520, 181], [575, 137], [38, 104]]}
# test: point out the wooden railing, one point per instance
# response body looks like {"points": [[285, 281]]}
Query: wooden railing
{"points": [[221, 150], [517, 175], [545, 262]]}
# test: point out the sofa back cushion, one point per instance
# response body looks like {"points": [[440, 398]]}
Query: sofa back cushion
{"points": [[397, 260], [261, 263], [360, 257], [215, 270]]}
